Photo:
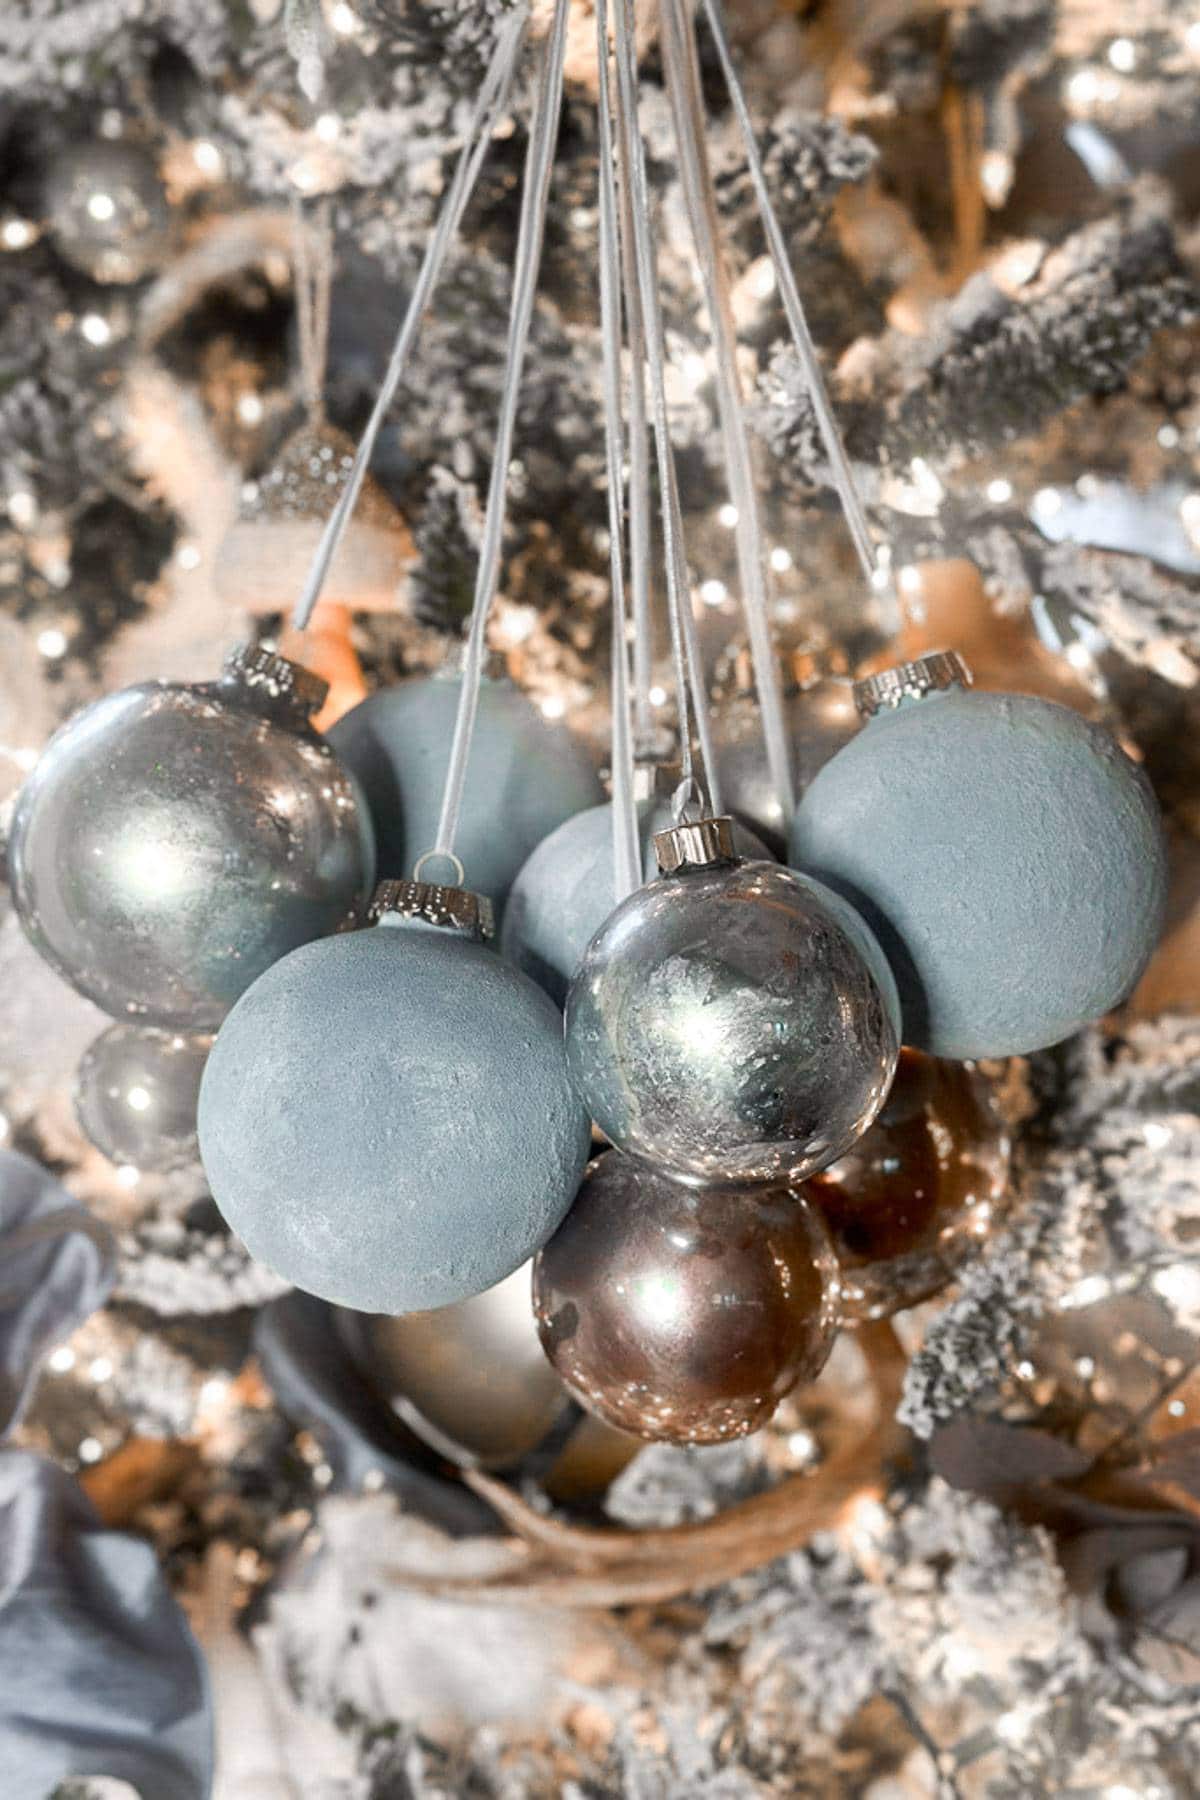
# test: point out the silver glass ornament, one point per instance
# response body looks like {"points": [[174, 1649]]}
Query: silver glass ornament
{"points": [[386, 1118], [820, 718], [472, 1382], [108, 212], [566, 890], [732, 1022], [136, 1093], [175, 841]]}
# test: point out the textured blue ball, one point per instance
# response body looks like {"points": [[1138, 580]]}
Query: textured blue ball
{"points": [[1009, 857], [524, 777], [386, 1119], [564, 893]]}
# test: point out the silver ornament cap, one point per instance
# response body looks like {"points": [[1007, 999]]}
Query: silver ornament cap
{"points": [[429, 903], [932, 674], [269, 678], [695, 844]]}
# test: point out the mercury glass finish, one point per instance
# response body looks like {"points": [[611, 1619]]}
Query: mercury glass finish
{"points": [[733, 1023], [920, 1192], [136, 1093], [108, 211], [684, 1315], [173, 842]]}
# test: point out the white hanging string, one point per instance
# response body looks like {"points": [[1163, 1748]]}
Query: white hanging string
{"points": [[843, 475], [313, 265], [488, 105], [683, 87], [627, 859], [639, 479], [539, 162], [684, 646]]}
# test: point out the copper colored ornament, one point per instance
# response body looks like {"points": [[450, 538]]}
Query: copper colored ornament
{"points": [[919, 1192], [684, 1315]]}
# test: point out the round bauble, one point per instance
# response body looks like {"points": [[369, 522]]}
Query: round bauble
{"points": [[733, 1021], [819, 719], [472, 1382], [920, 1192], [386, 1118], [1006, 852], [175, 841], [681, 1314], [563, 894], [524, 776], [136, 1093], [107, 211]]}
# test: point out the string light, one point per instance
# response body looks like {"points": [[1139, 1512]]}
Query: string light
{"points": [[1122, 54], [781, 559], [713, 593], [62, 1360], [343, 19], [52, 643], [96, 329], [23, 509], [17, 234], [208, 158], [728, 515], [999, 491]]}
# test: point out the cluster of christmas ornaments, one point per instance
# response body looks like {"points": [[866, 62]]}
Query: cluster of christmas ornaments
{"points": [[397, 1118]]}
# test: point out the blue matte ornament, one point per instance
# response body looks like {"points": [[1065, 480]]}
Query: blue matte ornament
{"points": [[522, 769], [386, 1118], [1006, 852], [566, 890]]}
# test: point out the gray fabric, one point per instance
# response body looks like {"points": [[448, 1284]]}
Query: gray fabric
{"points": [[99, 1673], [56, 1266]]}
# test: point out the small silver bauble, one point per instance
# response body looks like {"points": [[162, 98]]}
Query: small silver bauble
{"points": [[136, 1093], [175, 841], [732, 1022], [108, 211], [471, 1380]]}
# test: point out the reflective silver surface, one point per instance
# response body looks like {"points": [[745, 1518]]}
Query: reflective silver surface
{"points": [[136, 1092], [734, 1024], [108, 211], [472, 1381], [681, 1315], [173, 842]]}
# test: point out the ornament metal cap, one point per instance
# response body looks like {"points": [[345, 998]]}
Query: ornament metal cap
{"points": [[931, 674], [453, 908], [695, 844], [273, 678]]}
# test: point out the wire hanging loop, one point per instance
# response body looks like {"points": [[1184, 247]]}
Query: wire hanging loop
{"points": [[539, 164], [489, 104]]}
